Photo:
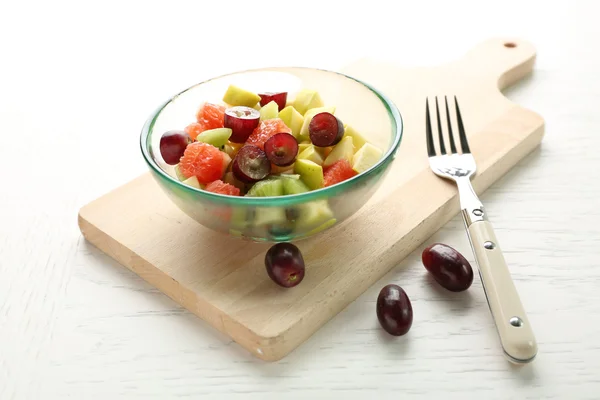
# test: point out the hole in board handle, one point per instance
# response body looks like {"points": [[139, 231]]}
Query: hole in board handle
{"points": [[510, 45]]}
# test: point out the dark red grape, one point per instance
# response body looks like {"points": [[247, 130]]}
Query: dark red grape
{"points": [[251, 164], [285, 264], [172, 146], [282, 149], [448, 267], [394, 310], [325, 129], [278, 97], [242, 121]]}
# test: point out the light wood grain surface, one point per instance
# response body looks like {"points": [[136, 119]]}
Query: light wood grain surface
{"points": [[77, 81]]}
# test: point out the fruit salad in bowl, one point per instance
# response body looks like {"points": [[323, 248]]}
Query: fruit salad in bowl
{"points": [[274, 154]]}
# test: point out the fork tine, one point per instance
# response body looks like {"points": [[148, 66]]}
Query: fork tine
{"points": [[439, 123], [464, 144], [452, 144], [430, 147]]}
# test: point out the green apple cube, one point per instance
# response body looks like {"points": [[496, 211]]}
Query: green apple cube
{"points": [[343, 150], [292, 119], [236, 96], [294, 186], [241, 217], [269, 111], [322, 227], [303, 146], [232, 180], [358, 140], [311, 153], [179, 174], [309, 116], [367, 156], [311, 173], [307, 99], [193, 182], [269, 216], [316, 213], [217, 137]]}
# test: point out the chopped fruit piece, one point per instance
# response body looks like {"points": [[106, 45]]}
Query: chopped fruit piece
{"points": [[231, 179], [210, 116], [367, 156], [338, 172], [304, 131], [285, 265], [179, 174], [288, 169], [203, 161], [194, 129], [307, 99], [242, 217], [267, 188], [278, 97], [358, 140], [265, 130], [310, 172], [251, 164], [242, 121], [290, 175], [221, 187], [269, 111], [173, 145], [294, 186], [322, 227], [236, 96], [293, 119], [325, 129], [304, 146], [281, 149], [344, 150], [269, 216], [217, 137], [313, 214], [193, 182], [311, 153], [324, 151]]}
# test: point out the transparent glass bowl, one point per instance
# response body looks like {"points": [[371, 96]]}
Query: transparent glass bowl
{"points": [[282, 218]]}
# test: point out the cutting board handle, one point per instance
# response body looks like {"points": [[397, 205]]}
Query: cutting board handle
{"points": [[506, 60]]}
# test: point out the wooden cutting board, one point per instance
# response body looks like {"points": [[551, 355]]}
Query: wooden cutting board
{"points": [[223, 280]]}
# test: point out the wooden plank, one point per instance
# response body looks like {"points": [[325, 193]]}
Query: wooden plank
{"points": [[222, 279]]}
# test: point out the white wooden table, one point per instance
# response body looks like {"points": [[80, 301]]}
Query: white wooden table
{"points": [[77, 81]]}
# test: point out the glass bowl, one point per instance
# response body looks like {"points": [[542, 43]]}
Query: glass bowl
{"points": [[282, 218]]}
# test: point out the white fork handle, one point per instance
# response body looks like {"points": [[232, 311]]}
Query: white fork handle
{"points": [[516, 335]]}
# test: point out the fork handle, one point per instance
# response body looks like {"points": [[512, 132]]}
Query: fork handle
{"points": [[516, 335]]}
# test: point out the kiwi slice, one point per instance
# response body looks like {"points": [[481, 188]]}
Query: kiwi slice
{"points": [[294, 186], [267, 188]]}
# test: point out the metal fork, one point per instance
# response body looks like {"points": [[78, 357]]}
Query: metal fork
{"points": [[516, 335]]}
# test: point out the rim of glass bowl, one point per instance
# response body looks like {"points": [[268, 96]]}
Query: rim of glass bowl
{"points": [[397, 129]]}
